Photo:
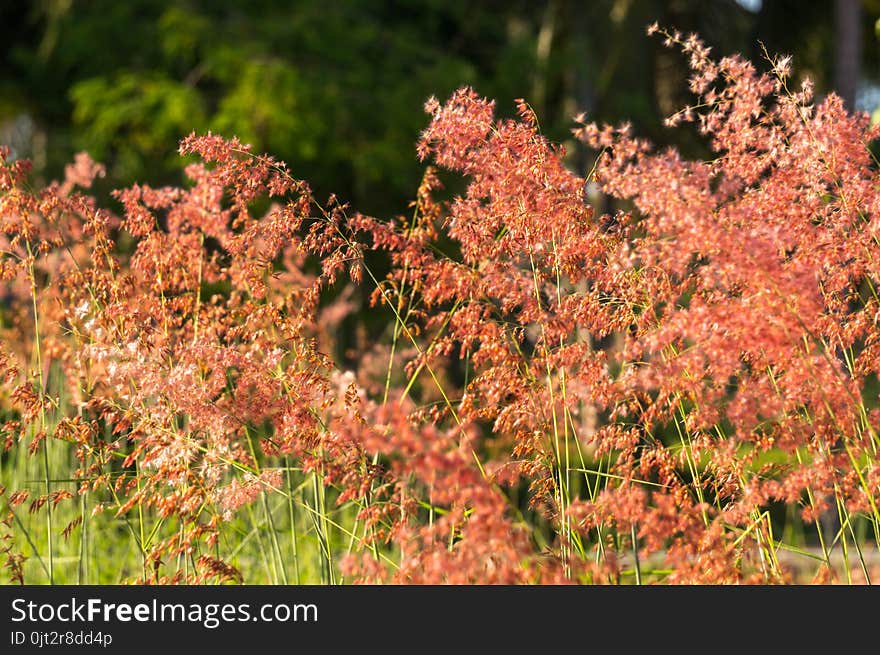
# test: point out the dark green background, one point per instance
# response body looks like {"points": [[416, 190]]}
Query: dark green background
{"points": [[336, 88]]}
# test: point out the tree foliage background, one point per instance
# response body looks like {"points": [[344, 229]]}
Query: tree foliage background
{"points": [[335, 87]]}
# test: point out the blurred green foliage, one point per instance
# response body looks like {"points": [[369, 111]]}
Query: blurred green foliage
{"points": [[335, 87]]}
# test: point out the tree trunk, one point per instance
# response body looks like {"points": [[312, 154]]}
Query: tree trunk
{"points": [[847, 49]]}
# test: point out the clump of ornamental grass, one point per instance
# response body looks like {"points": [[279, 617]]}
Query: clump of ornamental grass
{"points": [[682, 391]]}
